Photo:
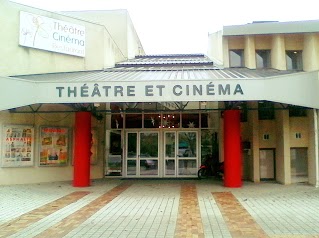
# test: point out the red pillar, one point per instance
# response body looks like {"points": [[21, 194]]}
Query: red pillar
{"points": [[82, 149], [232, 149]]}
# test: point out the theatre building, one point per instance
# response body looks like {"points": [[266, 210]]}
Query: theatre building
{"points": [[81, 100]]}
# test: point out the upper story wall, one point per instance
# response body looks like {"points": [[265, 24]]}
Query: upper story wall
{"points": [[277, 38], [101, 51], [119, 24]]}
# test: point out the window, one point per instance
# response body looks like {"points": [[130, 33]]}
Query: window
{"points": [[296, 111], [236, 58], [190, 120], [262, 59], [294, 60], [266, 110], [243, 112]]}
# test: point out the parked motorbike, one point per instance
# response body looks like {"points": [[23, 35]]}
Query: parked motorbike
{"points": [[211, 168]]}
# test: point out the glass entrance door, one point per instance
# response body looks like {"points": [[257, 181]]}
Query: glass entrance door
{"points": [[180, 154], [267, 164], [142, 154], [170, 157]]}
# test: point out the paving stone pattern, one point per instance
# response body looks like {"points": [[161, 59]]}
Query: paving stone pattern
{"points": [[159, 208]]}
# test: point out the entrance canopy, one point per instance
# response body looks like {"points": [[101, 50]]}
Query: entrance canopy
{"points": [[151, 79]]}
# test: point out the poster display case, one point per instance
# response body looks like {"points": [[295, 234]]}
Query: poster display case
{"points": [[17, 146], [54, 146]]}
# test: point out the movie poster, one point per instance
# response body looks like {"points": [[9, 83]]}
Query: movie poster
{"points": [[54, 146], [17, 146]]}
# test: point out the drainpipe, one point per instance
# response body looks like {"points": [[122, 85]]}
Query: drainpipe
{"points": [[316, 147]]}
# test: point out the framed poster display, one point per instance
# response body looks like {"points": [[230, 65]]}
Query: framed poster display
{"points": [[54, 146], [17, 146]]}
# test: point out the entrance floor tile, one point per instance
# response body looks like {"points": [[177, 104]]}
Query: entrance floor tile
{"points": [[159, 208]]}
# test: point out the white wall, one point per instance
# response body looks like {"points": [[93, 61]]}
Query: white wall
{"points": [[36, 173], [101, 50], [119, 26]]}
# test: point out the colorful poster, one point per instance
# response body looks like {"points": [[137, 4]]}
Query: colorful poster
{"points": [[54, 146], [17, 146]]}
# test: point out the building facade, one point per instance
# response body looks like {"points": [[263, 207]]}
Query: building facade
{"points": [[154, 116], [286, 137]]}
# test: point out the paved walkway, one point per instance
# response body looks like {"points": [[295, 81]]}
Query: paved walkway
{"points": [[159, 208]]}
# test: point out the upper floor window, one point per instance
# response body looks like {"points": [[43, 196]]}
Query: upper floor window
{"points": [[262, 59], [297, 111], [236, 58], [294, 59], [266, 110]]}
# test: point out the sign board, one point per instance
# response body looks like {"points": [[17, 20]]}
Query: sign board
{"points": [[50, 34]]}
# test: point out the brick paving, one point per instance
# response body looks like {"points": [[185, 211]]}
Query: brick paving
{"points": [[159, 208], [240, 223], [78, 217], [189, 222], [37, 214]]}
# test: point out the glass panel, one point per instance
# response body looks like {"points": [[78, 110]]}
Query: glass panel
{"points": [[209, 145], [133, 106], [187, 144], [115, 156], [299, 164], [116, 121], [153, 106], [192, 105], [133, 120], [266, 163], [170, 144], [190, 120], [297, 111], [115, 107], [148, 167], [152, 120], [204, 120], [131, 145], [266, 110], [170, 120], [149, 145], [131, 167], [187, 167], [169, 167]]}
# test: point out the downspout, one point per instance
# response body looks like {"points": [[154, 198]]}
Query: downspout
{"points": [[316, 146]]}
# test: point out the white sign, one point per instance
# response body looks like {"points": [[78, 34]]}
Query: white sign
{"points": [[50, 34]]}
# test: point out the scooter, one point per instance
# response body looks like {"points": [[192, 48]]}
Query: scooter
{"points": [[209, 169]]}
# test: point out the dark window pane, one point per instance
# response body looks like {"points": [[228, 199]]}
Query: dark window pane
{"points": [[266, 110], [296, 111], [190, 120], [170, 120], [116, 121], [133, 120], [152, 120], [204, 120]]}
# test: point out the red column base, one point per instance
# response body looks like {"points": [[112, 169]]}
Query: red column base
{"points": [[82, 149], [232, 149]]}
